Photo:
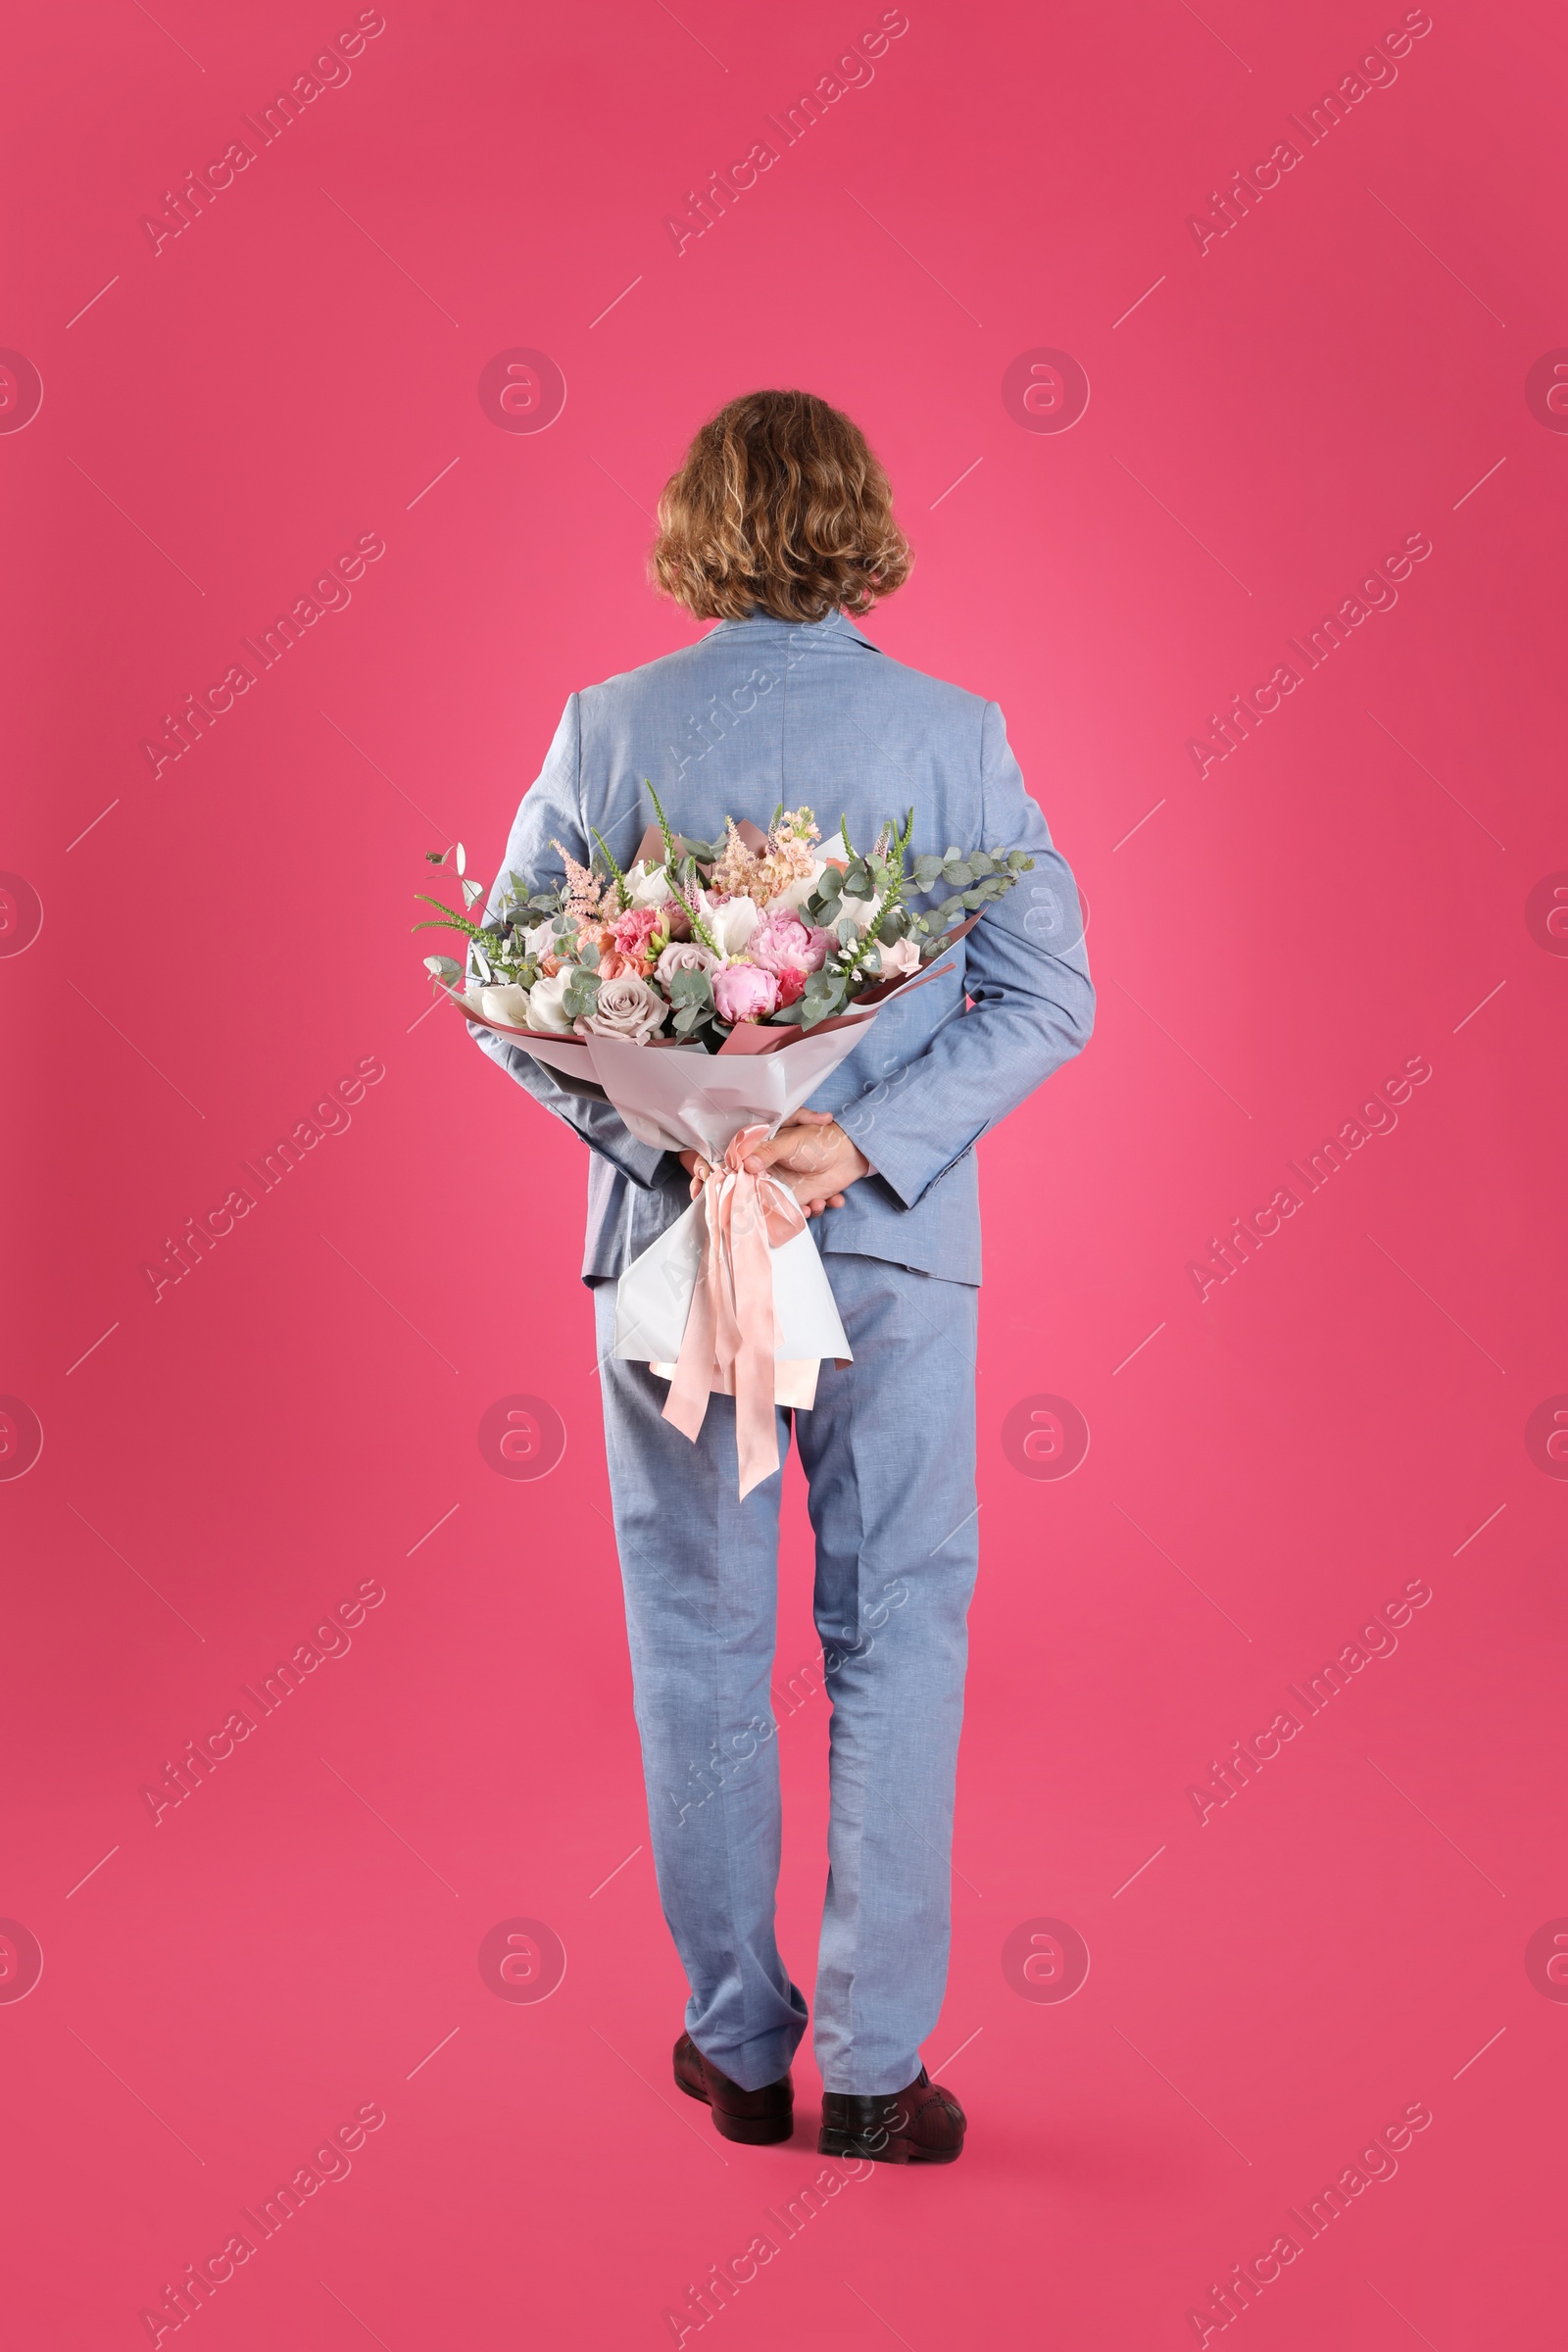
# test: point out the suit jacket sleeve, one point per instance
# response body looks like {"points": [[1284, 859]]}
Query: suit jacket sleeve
{"points": [[1032, 1002], [552, 811]]}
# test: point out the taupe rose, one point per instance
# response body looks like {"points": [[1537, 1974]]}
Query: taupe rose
{"points": [[627, 1007], [684, 956]]}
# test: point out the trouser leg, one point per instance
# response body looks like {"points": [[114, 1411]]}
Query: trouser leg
{"points": [[889, 1453], [700, 1570]]}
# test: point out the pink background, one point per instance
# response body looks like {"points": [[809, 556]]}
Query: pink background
{"points": [[1349, 889]]}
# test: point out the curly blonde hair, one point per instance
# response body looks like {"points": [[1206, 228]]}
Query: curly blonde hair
{"points": [[779, 507]]}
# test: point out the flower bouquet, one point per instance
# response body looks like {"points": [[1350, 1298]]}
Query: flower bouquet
{"points": [[768, 952]]}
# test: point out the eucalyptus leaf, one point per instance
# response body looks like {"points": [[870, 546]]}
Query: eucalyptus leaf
{"points": [[693, 989], [580, 994]]}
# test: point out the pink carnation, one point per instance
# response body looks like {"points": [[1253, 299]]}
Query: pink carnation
{"points": [[744, 991], [782, 942], [631, 933]]}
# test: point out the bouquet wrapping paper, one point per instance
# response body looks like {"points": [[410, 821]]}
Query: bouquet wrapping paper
{"points": [[734, 1299]]}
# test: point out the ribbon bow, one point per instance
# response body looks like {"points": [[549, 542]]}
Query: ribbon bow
{"points": [[728, 1344]]}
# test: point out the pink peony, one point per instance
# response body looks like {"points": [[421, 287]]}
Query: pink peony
{"points": [[744, 991], [782, 942]]}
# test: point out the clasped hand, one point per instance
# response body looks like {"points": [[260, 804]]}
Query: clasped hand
{"points": [[810, 1154]]}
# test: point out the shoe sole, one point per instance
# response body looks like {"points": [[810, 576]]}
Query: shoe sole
{"points": [[760, 2131], [832, 2142]]}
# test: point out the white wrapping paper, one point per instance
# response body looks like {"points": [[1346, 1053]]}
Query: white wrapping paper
{"points": [[680, 1099]]}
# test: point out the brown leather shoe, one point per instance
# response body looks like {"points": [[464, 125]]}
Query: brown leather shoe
{"points": [[757, 2118], [922, 2125]]}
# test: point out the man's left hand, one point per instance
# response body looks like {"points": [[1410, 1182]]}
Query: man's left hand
{"points": [[814, 1158]]}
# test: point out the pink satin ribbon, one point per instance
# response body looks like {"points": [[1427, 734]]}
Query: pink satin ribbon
{"points": [[728, 1344]]}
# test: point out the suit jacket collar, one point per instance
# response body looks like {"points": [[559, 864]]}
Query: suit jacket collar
{"points": [[836, 625]]}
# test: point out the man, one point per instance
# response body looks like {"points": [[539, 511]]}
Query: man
{"points": [[778, 526]]}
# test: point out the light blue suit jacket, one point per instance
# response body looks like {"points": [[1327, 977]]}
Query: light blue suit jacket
{"points": [[762, 711]]}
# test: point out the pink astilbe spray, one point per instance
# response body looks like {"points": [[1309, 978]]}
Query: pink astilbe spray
{"points": [[587, 898]]}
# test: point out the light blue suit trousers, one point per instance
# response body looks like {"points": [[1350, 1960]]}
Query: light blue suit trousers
{"points": [[887, 1453], [761, 712]]}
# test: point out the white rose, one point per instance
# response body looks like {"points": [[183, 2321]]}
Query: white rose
{"points": [[648, 885], [540, 938], [508, 1005], [546, 1010], [627, 1007], [730, 921], [862, 912]]}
